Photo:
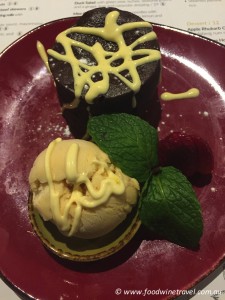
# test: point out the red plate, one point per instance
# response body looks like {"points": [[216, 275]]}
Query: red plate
{"points": [[30, 118]]}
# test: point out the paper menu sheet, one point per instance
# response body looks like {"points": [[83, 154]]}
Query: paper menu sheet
{"points": [[204, 17]]}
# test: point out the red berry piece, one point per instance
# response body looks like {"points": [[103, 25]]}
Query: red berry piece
{"points": [[188, 153]]}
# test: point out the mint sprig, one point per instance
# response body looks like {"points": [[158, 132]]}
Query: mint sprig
{"points": [[130, 142], [168, 205]]}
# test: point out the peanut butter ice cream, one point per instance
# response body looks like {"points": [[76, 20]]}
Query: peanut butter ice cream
{"points": [[75, 186]]}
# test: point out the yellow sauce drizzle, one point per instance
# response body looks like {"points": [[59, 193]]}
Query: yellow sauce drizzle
{"points": [[111, 184], [111, 32], [192, 93], [71, 163], [73, 104], [43, 54], [134, 102]]}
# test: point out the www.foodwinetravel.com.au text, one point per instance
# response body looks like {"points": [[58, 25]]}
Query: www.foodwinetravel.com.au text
{"points": [[167, 292]]}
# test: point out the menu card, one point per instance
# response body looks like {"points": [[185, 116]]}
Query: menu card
{"points": [[204, 17]]}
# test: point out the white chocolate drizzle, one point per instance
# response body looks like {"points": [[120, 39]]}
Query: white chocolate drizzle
{"points": [[111, 184], [73, 104], [84, 73], [43, 54], [191, 93]]}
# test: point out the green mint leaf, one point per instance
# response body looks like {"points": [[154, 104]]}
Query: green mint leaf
{"points": [[130, 142], [169, 208]]}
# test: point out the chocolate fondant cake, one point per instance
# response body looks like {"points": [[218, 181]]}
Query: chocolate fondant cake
{"points": [[102, 64]]}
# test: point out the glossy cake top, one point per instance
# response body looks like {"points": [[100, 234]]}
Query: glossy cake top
{"points": [[106, 53]]}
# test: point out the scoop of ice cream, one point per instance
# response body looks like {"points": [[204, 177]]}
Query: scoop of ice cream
{"points": [[76, 186]]}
